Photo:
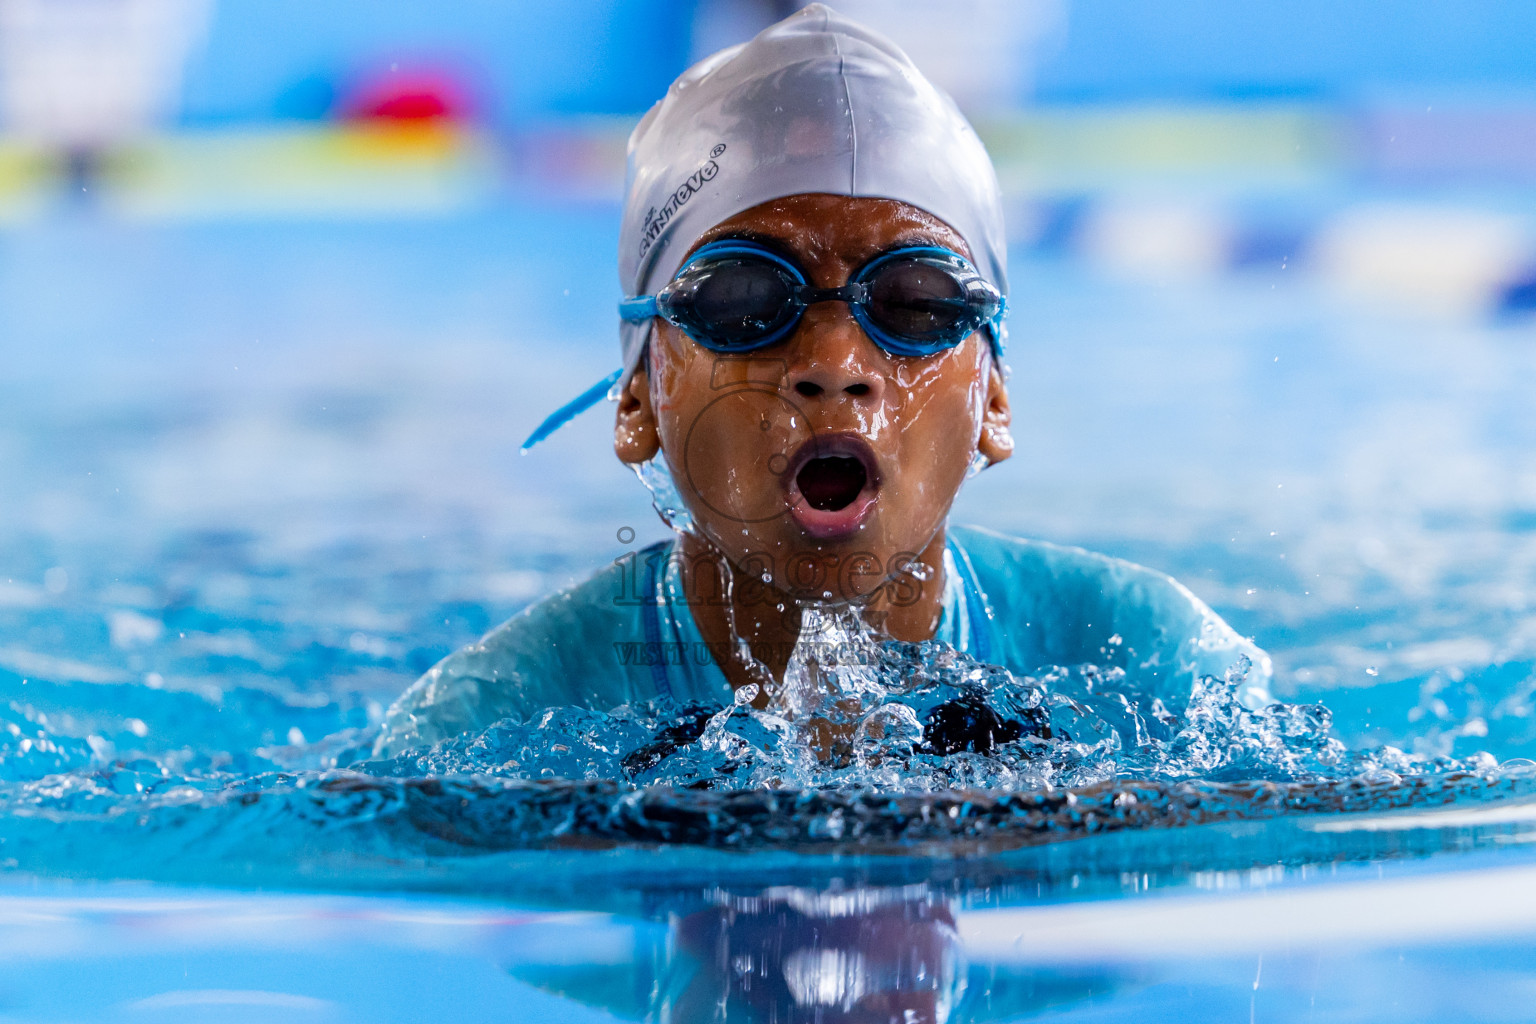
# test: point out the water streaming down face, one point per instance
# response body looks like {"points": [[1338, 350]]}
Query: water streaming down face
{"points": [[822, 447], [669, 504]]}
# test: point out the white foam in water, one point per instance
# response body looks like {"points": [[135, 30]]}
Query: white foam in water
{"points": [[857, 711]]}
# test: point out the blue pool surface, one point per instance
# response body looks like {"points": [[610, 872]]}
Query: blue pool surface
{"points": [[259, 476], [1399, 945]]}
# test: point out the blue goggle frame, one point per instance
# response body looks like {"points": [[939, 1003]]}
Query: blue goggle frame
{"points": [[985, 307], [978, 307]]}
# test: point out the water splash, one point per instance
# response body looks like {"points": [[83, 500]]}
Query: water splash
{"points": [[867, 743], [860, 712], [832, 671], [978, 463], [669, 504]]}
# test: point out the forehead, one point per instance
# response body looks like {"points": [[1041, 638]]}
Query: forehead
{"points": [[842, 228]]}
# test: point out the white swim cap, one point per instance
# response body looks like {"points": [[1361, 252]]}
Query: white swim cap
{"points": [[815, 103]]}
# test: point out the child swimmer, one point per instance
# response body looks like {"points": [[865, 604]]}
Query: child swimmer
{"points": [[813, 250]]}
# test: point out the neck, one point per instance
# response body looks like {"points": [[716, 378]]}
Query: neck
{"points": [[730, 606]]}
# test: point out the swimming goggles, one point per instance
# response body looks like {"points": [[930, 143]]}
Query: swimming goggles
{"points": [[735, 296]]}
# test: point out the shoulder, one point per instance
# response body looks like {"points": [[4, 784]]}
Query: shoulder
{"points": [[1031, 570], [563, 649], [604, 599], [1050, 558], [1019, 572], [1064, 605], [994, 551]]}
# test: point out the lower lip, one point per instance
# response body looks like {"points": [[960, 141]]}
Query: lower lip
{"points": [[838, 524]]}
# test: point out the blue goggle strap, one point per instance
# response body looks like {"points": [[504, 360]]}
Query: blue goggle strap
{"points": [[570, 410], [640, 308], [995, 332]]}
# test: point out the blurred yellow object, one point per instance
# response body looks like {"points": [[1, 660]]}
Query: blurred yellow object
{"points": [[1084, 148], [29, 176], [346, 171]]}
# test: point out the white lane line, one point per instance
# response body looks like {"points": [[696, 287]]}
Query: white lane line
{"points": [[1500, 813], [1409, 911], [185, 997]]}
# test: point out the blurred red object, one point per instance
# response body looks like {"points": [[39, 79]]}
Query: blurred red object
{"points": [[410, 97]]}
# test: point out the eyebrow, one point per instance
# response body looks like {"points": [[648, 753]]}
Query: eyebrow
{"points": [[779, 247], [770, 242], [918, 238]]}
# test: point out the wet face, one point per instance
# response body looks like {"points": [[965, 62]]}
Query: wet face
{"points": [[821, 462]]}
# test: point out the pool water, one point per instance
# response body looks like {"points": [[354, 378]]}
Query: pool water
{"points": [[260, 476]]}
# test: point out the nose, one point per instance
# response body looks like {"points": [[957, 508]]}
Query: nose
{"points": [[832, 359]]}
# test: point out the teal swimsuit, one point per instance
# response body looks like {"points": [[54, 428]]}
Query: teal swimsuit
{"points": [[627, 634]]}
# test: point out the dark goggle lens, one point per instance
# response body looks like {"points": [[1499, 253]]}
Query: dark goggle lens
{"points": [[918, 300], [733, 301]]}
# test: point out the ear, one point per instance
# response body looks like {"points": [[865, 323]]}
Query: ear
{"points": [[996, 441], [635, 439]]}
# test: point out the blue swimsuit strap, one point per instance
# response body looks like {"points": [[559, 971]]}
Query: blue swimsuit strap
{"points": [[978, 609], [651, 618]]}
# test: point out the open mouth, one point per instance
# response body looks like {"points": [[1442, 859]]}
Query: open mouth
{"points": [[832, 485], [831, 482]]}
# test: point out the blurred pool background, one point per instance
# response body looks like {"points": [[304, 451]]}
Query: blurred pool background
{"points": [[283, 286]]}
